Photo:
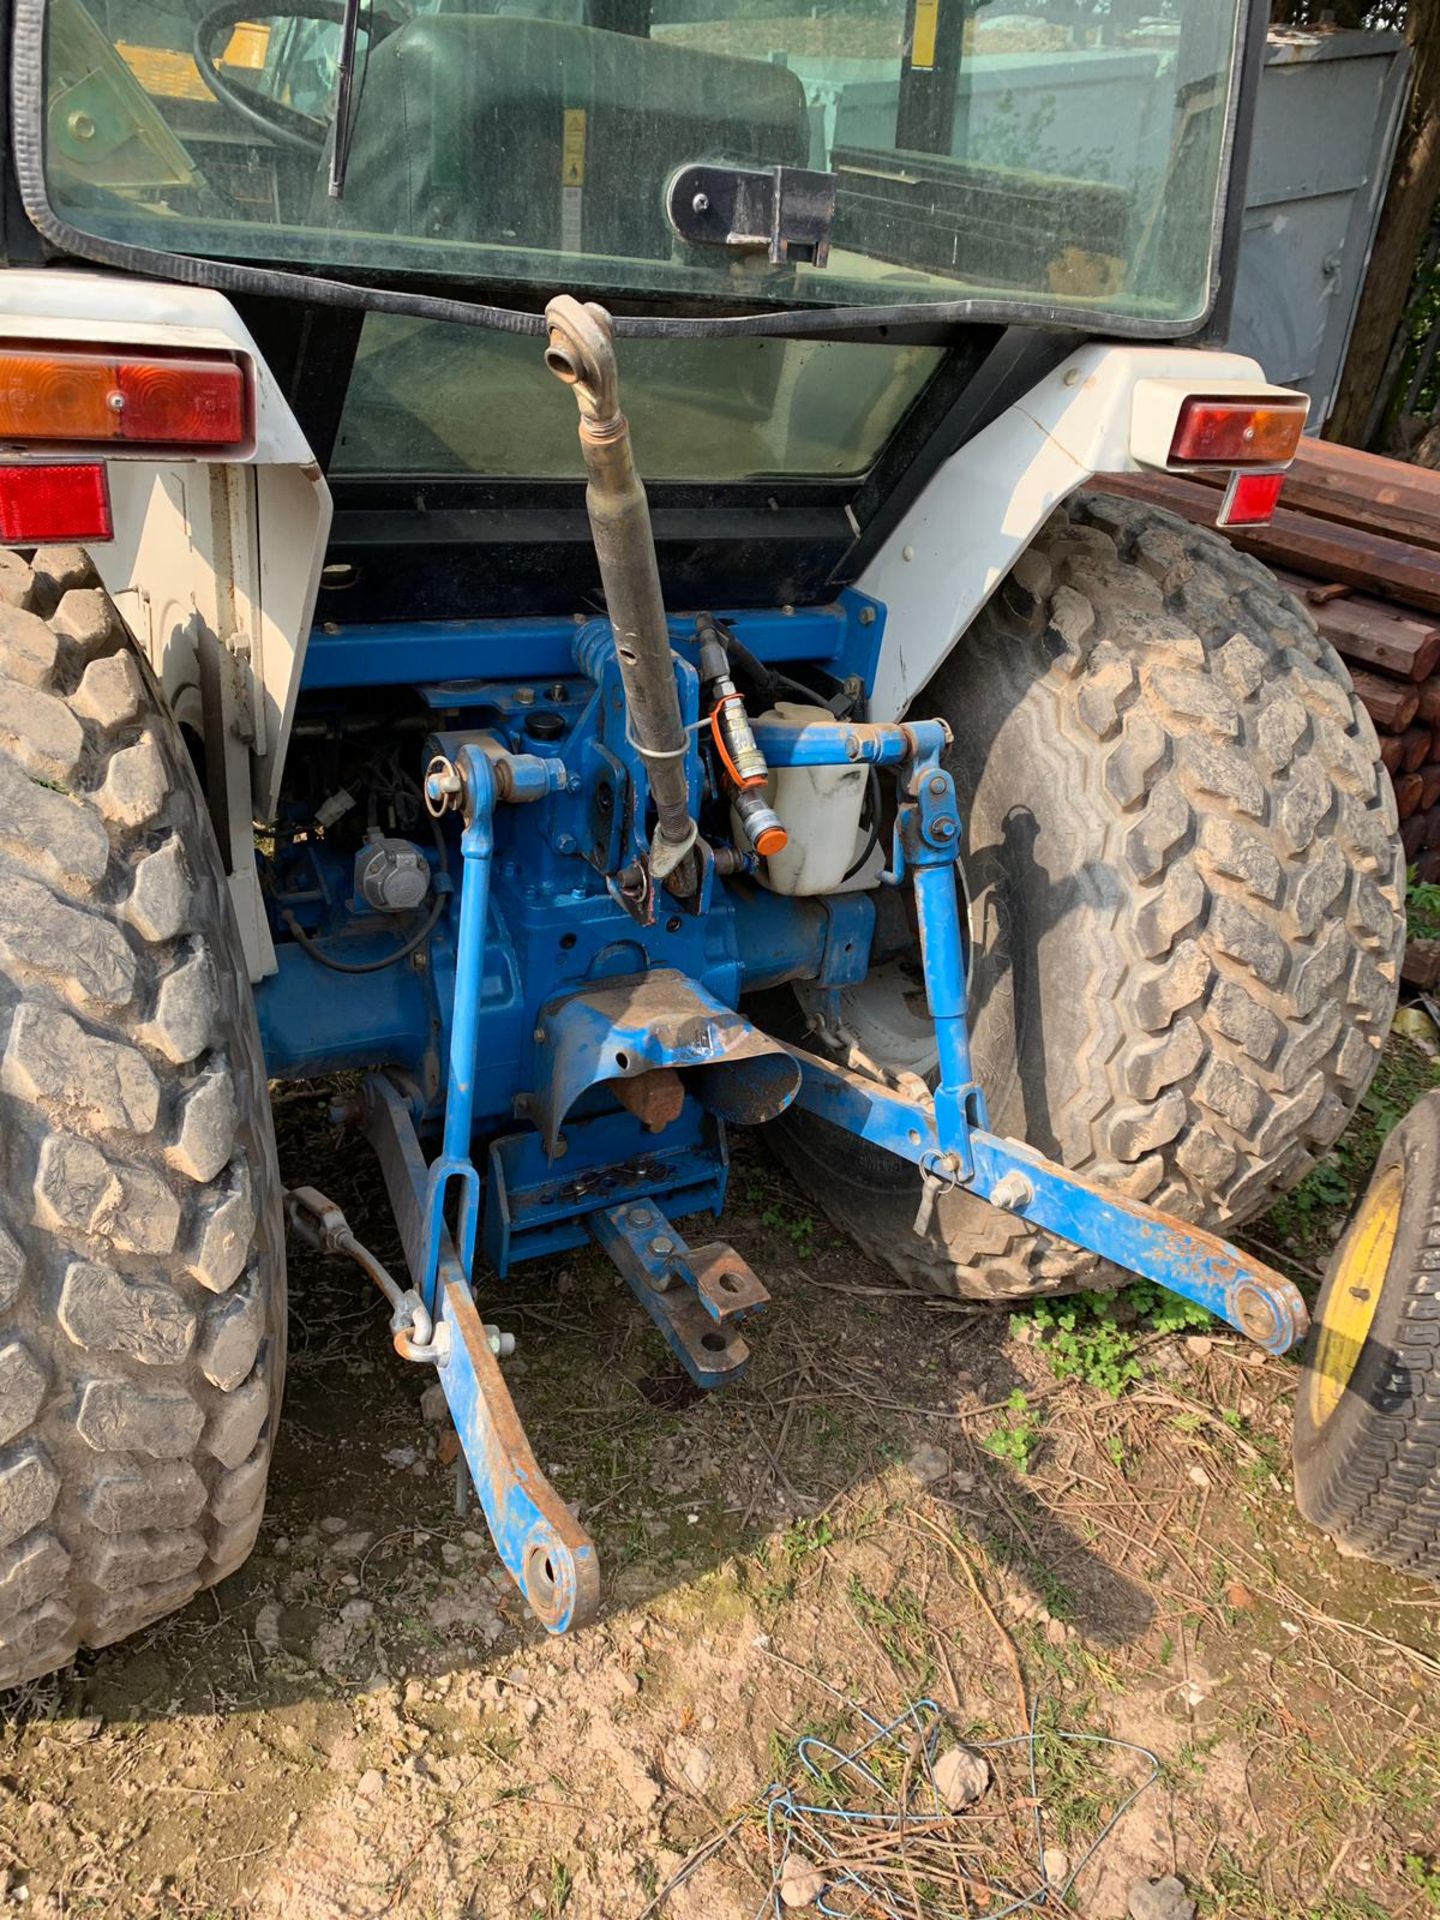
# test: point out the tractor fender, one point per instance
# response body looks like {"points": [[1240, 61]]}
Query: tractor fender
{"points": [[223, 551], [985, 504]]}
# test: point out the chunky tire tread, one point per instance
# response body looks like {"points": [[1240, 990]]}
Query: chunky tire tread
{"points": [[141, 1251], [1184, 870], [1371, 1474]]}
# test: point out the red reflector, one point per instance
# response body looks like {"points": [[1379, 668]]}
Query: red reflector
{"points": [[178, 400], [1237, 433], [1250, 499], [53, 503]]}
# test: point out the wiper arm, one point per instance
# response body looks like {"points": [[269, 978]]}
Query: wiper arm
{"points": [[344, 90]]}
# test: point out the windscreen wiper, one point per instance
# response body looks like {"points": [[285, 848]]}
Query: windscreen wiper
{"points": [[344, 87]]}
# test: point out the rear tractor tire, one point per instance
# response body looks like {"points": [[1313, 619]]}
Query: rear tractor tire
{"points": [[1184, 899], [141, 1252]]}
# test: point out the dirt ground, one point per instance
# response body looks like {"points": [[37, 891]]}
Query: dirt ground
{"points": [[1072, 1532]]}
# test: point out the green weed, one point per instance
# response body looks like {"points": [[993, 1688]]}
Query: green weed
{"points": [[897, 1621], [561, 1883], [1077, 1787], [1424, 1875], [1015, 1442], [1095, 1337], [798, 1228], [1422, 908], [806, 1537]]}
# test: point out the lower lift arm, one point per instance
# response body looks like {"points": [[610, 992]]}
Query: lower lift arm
{"points": [[947, 1139]]}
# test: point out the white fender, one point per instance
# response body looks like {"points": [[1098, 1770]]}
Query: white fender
{"points": [[985, 505]]}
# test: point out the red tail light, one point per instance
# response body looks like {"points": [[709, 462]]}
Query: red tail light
{"points": [[1237, 433], [155, 401], [42, 503]]}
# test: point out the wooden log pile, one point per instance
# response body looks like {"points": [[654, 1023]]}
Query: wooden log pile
{"points": [[1357, 538]]}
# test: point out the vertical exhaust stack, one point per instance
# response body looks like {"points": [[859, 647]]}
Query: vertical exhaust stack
{"points": [[582, 354]]}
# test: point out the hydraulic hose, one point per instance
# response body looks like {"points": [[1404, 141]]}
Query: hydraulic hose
{"points": [[582, 354]]}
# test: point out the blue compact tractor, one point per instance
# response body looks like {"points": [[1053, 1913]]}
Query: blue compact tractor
{"points": [[1018, 856]]}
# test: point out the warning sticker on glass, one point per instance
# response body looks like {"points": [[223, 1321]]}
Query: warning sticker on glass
{"points": [[572, 179]]}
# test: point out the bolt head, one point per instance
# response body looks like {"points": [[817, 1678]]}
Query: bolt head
{"points": [[937, 783], [662, 1244], [1012, 1193]]}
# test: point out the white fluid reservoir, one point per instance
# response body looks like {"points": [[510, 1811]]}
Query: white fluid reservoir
{"points": [[821, 809]]}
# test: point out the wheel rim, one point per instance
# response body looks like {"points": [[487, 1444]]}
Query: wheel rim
{"points": [[1353, 1297]]}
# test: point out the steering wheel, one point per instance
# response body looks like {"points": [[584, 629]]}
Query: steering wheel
{"points": [[286, 125]]}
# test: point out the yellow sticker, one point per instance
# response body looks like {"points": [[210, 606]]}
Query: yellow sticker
{"points": [[927, 26], [164, 72], [247, 47], [572, 157]]}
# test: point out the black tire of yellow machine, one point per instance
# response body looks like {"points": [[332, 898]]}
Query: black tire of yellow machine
{"points": [[142, 1276], [1367, 1415]]}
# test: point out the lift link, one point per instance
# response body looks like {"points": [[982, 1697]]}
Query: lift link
{"points": [[547, 1552]]}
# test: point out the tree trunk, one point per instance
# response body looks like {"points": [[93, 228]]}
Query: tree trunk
{"points": [[1409, 208]]}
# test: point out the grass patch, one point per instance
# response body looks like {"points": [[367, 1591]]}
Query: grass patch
{"points": [[1095, 1337]]}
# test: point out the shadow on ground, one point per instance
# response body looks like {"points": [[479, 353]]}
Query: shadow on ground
{"points": [[364, 1568]]}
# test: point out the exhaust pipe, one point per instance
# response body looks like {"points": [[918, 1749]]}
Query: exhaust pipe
{"points": [[582, 354]]}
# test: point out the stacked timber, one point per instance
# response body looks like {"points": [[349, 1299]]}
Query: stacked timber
{"points": [[1357, 539]]}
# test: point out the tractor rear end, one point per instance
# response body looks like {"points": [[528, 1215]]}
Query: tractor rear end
{"points": [[1016, 855]]}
